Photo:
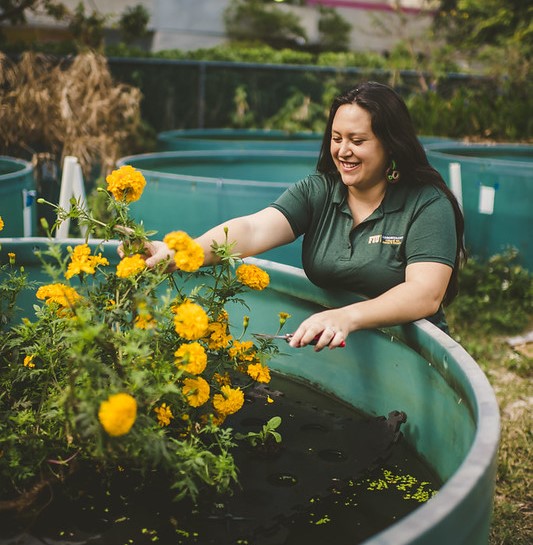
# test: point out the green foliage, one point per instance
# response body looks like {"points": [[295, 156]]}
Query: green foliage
{"points": [[106, 339], [133, 23], [253, 20], [334, 30], [494, 297], [88, 30], [266, 433], [15, 11]]}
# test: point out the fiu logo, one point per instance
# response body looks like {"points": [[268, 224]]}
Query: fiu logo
{"points": [[395, 240]]}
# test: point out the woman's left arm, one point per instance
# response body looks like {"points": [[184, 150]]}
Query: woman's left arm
{"points": [[419, 296]]}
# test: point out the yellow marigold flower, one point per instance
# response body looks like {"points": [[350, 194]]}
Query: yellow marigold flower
{"points": [[191, 357], [189, 255], [217, 336], [283, 317], [126, 183], [81, 261], [28, 361], [242, 351], [144, 320], [164, 414], [11, 256], [222, 379], [190, 260], [229, 401], [130, 266], [197, 391], [117, 415], [61, 294], [190, 321], [1, 223], [259, 372], [252, 276]]}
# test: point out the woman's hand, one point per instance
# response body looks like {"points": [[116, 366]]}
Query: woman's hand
{"points": [[155, 252], [329, 326]]}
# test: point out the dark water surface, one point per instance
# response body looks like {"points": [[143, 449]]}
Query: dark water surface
{"points": [[339, 477]]}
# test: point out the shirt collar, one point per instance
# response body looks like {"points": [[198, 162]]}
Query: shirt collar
{"points": [[394, 199]]}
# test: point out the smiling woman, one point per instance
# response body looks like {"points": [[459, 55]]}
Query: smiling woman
{"points": [[376, 219]]}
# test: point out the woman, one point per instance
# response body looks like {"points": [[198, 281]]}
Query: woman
{"points": [[376, 219]]}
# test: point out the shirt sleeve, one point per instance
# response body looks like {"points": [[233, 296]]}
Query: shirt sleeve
{"points": [[295, 203], [432, 234]]}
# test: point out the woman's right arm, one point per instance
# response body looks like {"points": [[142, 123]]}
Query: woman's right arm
{"points": [[252, 234]]}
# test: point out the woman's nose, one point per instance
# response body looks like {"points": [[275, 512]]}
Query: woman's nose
{"points": [[345, 148]]}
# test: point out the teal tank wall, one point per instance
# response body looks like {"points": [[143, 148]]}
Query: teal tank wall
{"points": [[17, 196], [494, 182]]}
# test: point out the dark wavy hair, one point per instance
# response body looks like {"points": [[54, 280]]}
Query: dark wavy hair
{"points": [[392, 125]]}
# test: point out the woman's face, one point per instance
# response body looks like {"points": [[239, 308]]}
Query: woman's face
{"points": [[358, 155]]}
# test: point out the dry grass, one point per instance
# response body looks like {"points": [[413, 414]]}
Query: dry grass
{"points": [[72, 107]]}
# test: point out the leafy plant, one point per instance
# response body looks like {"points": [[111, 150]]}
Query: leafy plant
{"points": [[268, 432], [494, 296], [124, 366]]}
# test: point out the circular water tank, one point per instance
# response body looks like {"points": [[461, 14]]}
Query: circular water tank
{"points": [[196, 190], [494, 183], [453, 418], [17, 194]]}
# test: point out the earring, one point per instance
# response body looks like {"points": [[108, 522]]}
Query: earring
{"points": [[392, 174]]}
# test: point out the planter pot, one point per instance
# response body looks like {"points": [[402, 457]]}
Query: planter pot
{"points": [[453, 419], [494, 182], [17, 195]]}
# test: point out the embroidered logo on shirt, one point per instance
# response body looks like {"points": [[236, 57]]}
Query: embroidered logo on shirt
{"points": [[385, 239]]}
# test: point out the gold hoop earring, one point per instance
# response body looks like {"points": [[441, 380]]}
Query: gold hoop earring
{"points": [[393, 175]]}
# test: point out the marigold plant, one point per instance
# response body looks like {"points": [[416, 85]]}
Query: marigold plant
{"points": [[120, 365]]}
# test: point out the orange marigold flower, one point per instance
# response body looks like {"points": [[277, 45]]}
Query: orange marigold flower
{"points": [[191, 357], [28, 361], [222, 379], [259, 372], [81, 261], [117, 415], [217, 336], [190, 321], [229, 401], [58, 293], [252, 276], [189, 255], [130, 266], [242, 351], [126, 183], [196, 390], [144, 320], [1, 223], [164, 414], [11, 256]]}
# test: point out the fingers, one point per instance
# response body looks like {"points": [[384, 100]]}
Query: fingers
{"points": [[158, 252], [155, 253], [321, 335]]}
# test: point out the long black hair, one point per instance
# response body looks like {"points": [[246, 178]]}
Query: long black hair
{"points": [[392, 125]]}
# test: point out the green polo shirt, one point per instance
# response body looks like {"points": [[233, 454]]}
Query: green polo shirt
{"points": [[414, 223]]}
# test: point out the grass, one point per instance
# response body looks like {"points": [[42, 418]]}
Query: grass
{"points": [[481, 322]]}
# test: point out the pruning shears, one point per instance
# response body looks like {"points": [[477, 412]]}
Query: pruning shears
{"points": [[288, 336]]}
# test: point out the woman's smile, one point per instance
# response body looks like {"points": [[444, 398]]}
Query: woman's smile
{"points": [[357, 153]]}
